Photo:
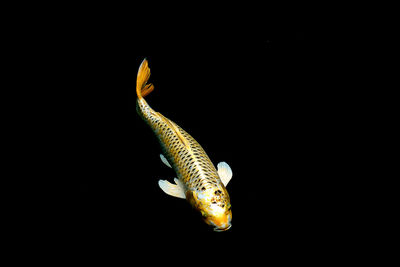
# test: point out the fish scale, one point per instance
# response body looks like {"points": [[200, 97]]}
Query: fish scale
{"points": [[188, 164]]}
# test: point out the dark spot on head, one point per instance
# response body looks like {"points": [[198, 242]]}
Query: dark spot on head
{"points": [[218, 192], [203, 188]]}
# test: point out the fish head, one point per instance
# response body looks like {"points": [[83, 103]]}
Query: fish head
{"points": [[214, 206], [218, 216]]}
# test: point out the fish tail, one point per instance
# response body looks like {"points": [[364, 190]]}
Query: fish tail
{"points": [[142, 88]]}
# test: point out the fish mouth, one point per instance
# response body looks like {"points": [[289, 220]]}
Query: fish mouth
{"points": [[216, 229]]}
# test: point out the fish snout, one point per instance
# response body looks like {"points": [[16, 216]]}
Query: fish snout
{"points": [[222, 223], [218, 229]]}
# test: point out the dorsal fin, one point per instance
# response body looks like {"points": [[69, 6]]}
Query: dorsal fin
{"points": [[174, 127]]}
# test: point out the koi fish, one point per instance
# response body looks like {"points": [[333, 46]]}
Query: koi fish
{"points": [[199, 182]]}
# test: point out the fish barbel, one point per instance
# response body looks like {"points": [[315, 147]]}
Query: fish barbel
{"points": [[199, 182]]}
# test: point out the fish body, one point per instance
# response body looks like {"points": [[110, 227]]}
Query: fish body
{"points": [[199, 182]]}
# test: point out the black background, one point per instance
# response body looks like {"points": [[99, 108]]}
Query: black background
{"points": [[259, 99]]}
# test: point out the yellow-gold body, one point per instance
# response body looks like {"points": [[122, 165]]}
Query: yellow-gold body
{"points": [[198, 180]]}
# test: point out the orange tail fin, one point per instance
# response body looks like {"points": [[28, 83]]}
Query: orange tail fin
{"points": [[142, 88]]}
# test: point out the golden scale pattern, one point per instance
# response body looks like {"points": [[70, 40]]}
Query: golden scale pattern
{"points": [[194, 167]]}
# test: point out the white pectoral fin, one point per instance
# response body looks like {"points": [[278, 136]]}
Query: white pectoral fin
{"points": [[175, 190], [164, 160], [224, 172]]}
